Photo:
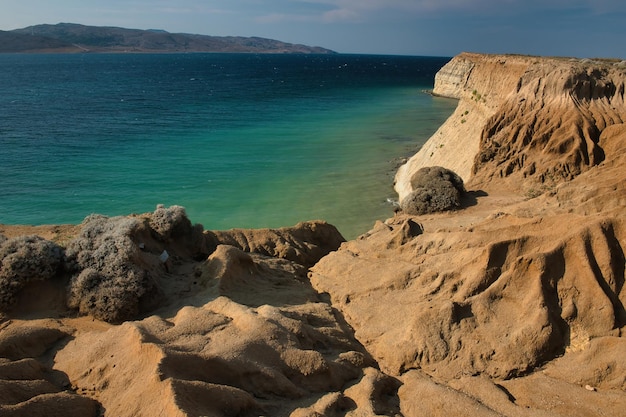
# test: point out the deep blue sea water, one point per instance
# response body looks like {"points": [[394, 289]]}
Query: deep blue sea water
{"points": [[240, 140]]}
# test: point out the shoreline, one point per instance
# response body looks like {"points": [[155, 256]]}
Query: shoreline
{"points": [[342, 147]]}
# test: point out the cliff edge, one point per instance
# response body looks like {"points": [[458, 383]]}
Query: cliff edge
{"points": [[533, 121], [513, 305]]}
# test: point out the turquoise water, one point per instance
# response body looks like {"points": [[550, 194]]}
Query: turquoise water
{"points": [[239, 140]]}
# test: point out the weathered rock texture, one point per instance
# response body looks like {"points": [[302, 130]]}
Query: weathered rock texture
{"points": [[512, 306], [515, 305], [534, 121]]}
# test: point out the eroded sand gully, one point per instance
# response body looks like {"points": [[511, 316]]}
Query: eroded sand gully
{"points": [[512, 306]]}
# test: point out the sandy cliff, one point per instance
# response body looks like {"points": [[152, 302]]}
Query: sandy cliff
{"points": [[529, 120], [512, 306], [521, 294]]}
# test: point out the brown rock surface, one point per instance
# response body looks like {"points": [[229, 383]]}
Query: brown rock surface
{"points": [[514, 305], [532, 121]]}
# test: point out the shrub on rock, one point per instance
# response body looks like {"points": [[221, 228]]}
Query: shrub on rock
{"points": [[170, 222], [24, 259], [110, 277], [435, 189], [172, 226]]}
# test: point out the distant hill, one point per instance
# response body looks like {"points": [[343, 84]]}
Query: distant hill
{"points": [[71, 37]]}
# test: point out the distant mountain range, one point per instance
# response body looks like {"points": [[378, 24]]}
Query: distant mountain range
{"points": [[71, 37]]}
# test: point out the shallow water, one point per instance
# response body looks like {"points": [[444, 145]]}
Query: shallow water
{"points": [[239, 140]]}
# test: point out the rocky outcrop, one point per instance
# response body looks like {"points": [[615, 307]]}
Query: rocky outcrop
{"points": [[515, 304], [534, 121], [305, 243], [28, 384], [456, 297], [237, 331]]}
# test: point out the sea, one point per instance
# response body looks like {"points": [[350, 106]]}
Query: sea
{"points": [[239, 140]]}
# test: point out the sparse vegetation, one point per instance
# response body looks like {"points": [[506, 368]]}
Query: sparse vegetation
{"points": [[547, 184], [170, 222], [113, 279], [24, 259], [476, 96], [533, 193], [110, 276]]}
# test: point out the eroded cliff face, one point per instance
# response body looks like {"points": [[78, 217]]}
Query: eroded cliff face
{"points": [[513, 305], [530, 120]]}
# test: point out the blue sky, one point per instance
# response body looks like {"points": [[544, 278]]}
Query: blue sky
{"points": [[581, 28]]}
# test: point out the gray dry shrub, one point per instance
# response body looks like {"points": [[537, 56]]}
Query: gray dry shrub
{"points": [[24, 259], [172, 225], [171, 222], [109, 279], [435, 189]]}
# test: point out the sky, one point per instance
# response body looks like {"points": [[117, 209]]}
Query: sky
{"points": [[576, 28]]}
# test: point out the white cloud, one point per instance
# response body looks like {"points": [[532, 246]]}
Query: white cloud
{"points": [[341, 15]]}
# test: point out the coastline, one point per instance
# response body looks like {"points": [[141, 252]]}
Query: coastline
{"points": [[418, 316], [489, 85], [330, 162]]}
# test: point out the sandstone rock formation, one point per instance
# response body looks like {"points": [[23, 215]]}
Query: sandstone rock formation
{"points": [[494, 307], [532, 121], [512, 306]]}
